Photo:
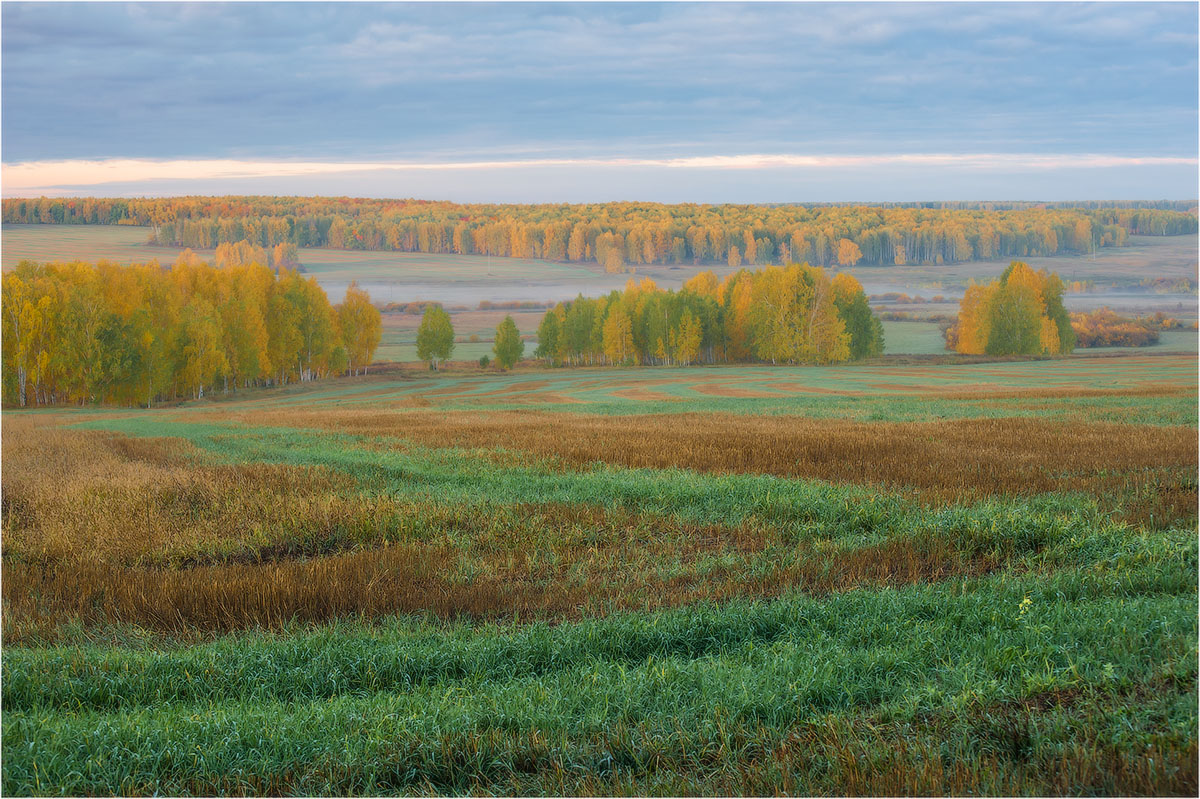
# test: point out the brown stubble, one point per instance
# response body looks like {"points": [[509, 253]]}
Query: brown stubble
{"points": [[103, 529], [1141, 473], [448, 583], [108, 498]]}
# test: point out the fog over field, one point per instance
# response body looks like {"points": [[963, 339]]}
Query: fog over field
{"points": [[469, 279]]}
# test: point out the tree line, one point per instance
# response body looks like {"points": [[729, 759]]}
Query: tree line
{"points": [[792, 314], [1021, 313], [622, 234], [80, 333]]}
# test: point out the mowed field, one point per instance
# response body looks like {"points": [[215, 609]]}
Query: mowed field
{"points": [[928, 576]]}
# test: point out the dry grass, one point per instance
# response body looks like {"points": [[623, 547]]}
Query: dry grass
{"points": [[1140, 472], [865, 760], [104, 529], [80, 496], [409, 578], [101, 528]]}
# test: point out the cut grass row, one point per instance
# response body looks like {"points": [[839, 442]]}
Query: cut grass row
{"points": [[1016, 681], [1075, 620]]}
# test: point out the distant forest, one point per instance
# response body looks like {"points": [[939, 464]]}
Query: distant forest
{"points": [[620, 234]]}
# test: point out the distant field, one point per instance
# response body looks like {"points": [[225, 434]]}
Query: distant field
{"points": [[913, 338], [91, 243], [399, 341], [1146, 256], [1153, 389], [925, 338], [387, 276], [127, 244]]}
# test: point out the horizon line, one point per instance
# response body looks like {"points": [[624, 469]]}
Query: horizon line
{"points": [[58, 175]]}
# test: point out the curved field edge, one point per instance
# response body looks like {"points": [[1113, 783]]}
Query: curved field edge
{"points": [[223, 546], [711, 468]]}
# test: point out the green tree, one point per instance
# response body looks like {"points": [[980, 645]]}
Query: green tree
{"points": [[508, 347], [339, 361], [864, 328], [435, 336], [548, 335], [618, 336], [118, 362], [685, 339], [1052, 291]]}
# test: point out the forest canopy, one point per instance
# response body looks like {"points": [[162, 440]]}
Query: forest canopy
{"points": [[792, 314], [620, 234], [76, 332]]}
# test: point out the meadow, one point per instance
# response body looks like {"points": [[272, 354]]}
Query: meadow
{"points": [[935, 575]]}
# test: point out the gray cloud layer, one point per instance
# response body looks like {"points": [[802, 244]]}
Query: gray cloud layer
{"points": [[471, 81]]}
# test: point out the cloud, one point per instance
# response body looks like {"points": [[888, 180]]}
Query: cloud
{"points": [[58, 177], [390, 82]]}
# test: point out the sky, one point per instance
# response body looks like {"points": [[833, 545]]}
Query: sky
{"points": [[547, 102]]}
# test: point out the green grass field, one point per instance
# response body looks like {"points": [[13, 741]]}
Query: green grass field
{"points": [[893, 578]]}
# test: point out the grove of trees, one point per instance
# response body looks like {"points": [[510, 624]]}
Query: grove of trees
{"points": [[792, 314], [620, 234], [1021, 313], [80, 333]]}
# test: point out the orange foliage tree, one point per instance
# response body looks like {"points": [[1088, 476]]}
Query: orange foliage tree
{"points": [[81, 333], [1021, 313]]}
